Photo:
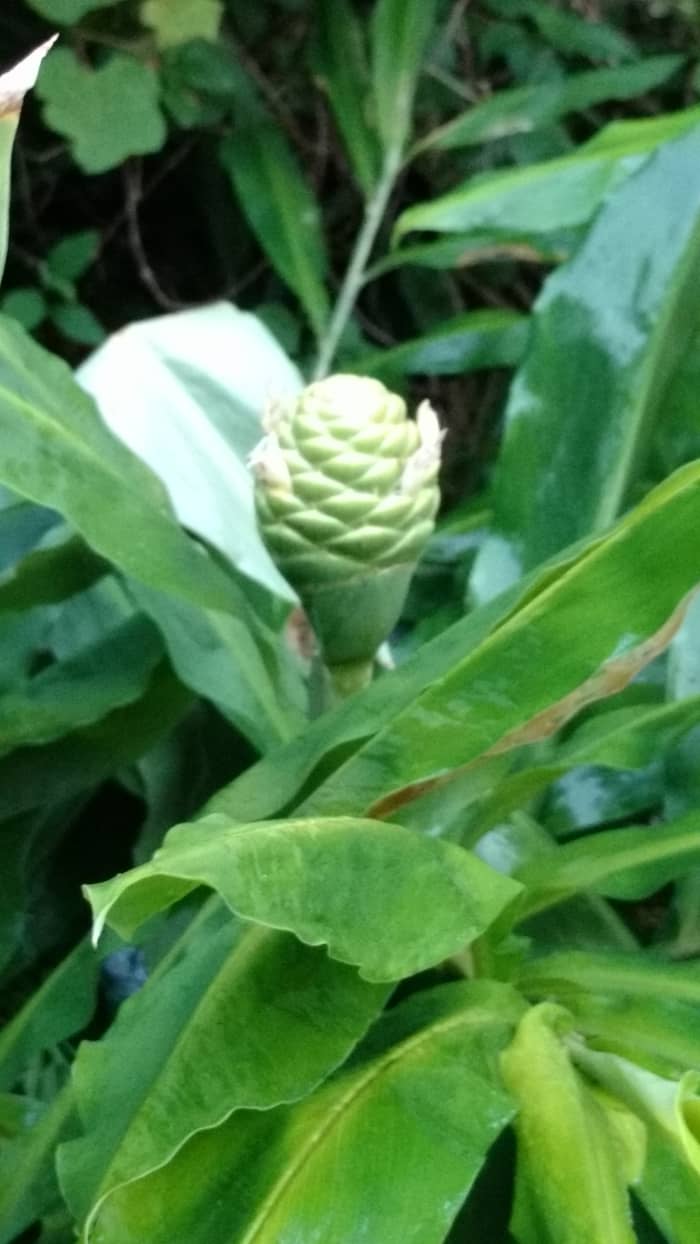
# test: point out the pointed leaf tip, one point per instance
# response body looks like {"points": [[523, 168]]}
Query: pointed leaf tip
{"points": [[21, 78]]}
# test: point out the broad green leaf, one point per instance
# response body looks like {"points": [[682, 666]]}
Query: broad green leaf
{"points": [[339, 62], [61, 1006], [406, 901], [13, 87], [551, 657], [83, 689], [107, 114], [570, 1187], [524, 108], [621, 314], [386, 1150], [619, 863], [186, 392], [483, 667], [178, 21], [400, 31], [27, 1173], [246, 671], [528, 203], [281, 209], [617, 742], [677, 435], [274, 783], [245, 1018], [55, 450], [476, 339]]}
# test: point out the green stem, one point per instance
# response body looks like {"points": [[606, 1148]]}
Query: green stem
{"points": [[330, 685], [355, 274]]}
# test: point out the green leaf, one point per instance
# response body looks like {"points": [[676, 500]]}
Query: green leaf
{"points": [[528, 203], [68, 12], [524, 108], [235, 663], [13, 87], [61, 1006], [659, 1034], [621, 314], [27, 305], [400, 31], [178, 21], [55, 450], [406, 901], [107, 114], [614, 743], [491, 338], [50, 575], [34, 777], [570, 1185], [245, 1018], [619, 863], [78, 323], [186, 393], [71, 694], [671, 1106], [500, 695], [408, 1121], [28, 1186], [70, 258], [281, 210], [577, 972], [339, 62], [483, 669], [576, 35]]}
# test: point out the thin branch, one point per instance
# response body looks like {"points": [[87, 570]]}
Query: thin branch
{"points": [[355, 274], [132, 179]]}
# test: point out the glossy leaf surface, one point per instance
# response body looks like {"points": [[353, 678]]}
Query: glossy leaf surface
{"points": [[408, 1123], [406, 902], [620, 863], [608, 330], [532, 673], [527, 203]]}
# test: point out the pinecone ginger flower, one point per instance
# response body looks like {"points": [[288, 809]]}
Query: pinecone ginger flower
{"points": [[346, 495]]}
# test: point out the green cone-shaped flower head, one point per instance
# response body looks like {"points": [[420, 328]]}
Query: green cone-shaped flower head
{"points": [[346, 497]]}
